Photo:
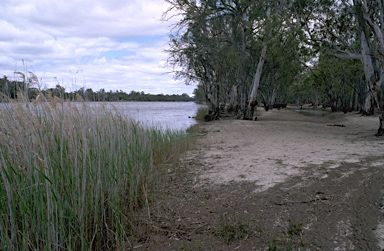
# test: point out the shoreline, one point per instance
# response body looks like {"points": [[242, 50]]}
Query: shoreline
{"points": [[282, 142], [285, 181]]}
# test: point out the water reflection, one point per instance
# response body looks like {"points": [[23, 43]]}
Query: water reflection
{"points": [[167, 115]]}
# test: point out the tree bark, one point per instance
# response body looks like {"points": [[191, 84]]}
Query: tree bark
{"points": [[251, 104], [368, 71], [375, 80], [256, 83]]}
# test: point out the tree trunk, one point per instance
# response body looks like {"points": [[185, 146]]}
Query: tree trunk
{"points": [[250, 109], [255, 84], [217, 112], [375, 82], [380, 131], [213, 98], [233, 99], [380, 104], [368, 71]]}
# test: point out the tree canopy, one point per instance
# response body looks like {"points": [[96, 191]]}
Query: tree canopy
{"points": [[271, 52], [10, 90]]}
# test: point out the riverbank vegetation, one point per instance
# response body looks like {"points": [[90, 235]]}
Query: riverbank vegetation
{"points": [[76, 178], [28, 84], [245, 53]]}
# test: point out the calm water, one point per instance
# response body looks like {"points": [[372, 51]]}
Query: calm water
{"points": [[169, 115], [166, 115]]}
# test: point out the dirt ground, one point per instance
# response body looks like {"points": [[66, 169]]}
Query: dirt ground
{"points": [[284, 182]]}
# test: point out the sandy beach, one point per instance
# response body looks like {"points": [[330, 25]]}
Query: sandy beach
{"points": [[293, 181], [283, 143]]}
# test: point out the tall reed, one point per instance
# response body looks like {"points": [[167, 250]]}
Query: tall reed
{"points": [[73, 178]]}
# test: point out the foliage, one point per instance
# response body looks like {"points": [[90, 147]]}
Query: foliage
{"points": [[217, 44], [75, 178], [289, 239], [9, 91], [340, 80], [201, 113], [282, 50], [231, 231], [199, 95]]}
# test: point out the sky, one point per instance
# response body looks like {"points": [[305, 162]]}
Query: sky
{"points": [[98, 44]]}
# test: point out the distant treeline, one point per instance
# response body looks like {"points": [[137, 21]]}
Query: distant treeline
{"points": [[12, 89]]}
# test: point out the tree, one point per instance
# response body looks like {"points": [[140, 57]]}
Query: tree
{"points": [[59, 91], [238, 49], [357, 36], [371, 23], [338, 80], [4, 88], [222, 45], [199, 94]]}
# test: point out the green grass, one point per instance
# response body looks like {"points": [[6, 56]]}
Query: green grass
{"points": [[326, 164], [74, 178], [231, 230], [289, 239], [201, 113]]}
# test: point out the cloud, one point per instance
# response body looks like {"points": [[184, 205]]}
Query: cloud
{"points": [[111, 18], [114, 44]]}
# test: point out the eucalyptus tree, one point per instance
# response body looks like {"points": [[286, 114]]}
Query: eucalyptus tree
{"points": [[352, 29], [370, 16], [339, 81], [304, 90], [369, 19], [283, 65], [223, 45], [209, 48], [5, 91], [191, 49]]}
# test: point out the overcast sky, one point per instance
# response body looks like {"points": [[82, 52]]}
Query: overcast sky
{"points": [[110, 44]]}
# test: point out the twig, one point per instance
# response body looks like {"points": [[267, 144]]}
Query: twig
{"points": [[299, 202], [339, 125]]}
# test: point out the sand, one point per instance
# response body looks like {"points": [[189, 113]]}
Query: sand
{"points": [[282, 143], [296, 182]]}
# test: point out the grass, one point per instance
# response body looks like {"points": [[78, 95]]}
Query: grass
{"points": [[231, 230], [194, 246], [289, 239], [326, 164], [74, 178], [202, 111], [280, 163]]}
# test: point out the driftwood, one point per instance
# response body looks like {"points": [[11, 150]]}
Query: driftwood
{"points": [[210, 117], [304, 201], [339, 125]]}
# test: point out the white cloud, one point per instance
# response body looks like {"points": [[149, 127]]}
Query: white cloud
{"points": [[114, 44]]}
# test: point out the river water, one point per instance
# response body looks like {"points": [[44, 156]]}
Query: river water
{"points": [[165, 115]]}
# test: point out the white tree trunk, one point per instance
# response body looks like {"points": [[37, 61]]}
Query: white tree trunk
{"points": [[233, 97], [375, 85], [369, 70], [257, 76]]}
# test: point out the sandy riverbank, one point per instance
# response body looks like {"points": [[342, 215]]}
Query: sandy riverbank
{"points": [[282, 143], [292, 181]]}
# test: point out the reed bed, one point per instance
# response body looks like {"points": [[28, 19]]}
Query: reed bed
{"points": [[74, 178], [201, 113]]}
